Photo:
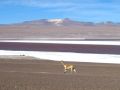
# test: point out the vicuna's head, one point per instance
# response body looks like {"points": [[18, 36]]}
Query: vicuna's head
{"points": [[62, 62]]}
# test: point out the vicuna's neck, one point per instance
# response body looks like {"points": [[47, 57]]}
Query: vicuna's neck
{"points": [[62, 63]]}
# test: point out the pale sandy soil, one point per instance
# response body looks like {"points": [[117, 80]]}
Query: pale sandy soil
{"points": [[33, 74]]}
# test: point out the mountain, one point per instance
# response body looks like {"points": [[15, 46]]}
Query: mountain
{"points": [[60, 28], [55, 22]]}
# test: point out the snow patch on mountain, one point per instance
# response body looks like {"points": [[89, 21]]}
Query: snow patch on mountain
{"points": [[56, 21]]}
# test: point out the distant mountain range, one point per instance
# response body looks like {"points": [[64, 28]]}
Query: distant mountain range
{"points": [[57, 22], [62, 22], [60, 28]]}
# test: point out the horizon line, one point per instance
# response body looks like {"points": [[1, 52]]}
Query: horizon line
{"points": [[85, 21]]}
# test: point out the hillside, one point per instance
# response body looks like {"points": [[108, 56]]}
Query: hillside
{"points": [[60, 28]]}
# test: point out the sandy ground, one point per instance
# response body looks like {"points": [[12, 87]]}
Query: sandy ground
{"points": [[28, 73]]}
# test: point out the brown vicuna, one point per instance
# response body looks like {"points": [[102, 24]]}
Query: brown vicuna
{"points": [[68, 67]]}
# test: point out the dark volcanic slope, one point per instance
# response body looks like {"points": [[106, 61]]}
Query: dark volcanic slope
{"points": [[101, 49], [48, 75]]}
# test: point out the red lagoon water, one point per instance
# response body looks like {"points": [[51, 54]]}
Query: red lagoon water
{"points": [[79, 48]]}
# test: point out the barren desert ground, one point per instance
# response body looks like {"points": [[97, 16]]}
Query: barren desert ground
{"points": [[34, 74]]}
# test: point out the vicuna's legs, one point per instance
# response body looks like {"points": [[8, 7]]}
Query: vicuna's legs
{"points": [[74, 69]]}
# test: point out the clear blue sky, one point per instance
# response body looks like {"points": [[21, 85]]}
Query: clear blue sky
{"points": [[12, 11]]}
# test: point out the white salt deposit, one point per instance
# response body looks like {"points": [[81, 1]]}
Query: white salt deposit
{"points": [[66, 42], [67, 56]]}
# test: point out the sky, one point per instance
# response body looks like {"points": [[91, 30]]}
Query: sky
{"points": [[14, 11]]}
